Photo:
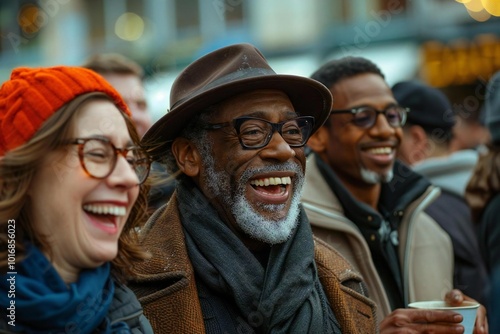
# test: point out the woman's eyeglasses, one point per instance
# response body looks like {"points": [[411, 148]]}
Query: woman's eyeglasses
{"points": [[98, 157]]}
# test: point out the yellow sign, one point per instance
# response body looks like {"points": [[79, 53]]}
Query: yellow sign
{"points": [[461, 61]]}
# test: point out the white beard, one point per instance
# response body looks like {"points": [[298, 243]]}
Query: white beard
{"points": [[373, 178], [252, 222]]}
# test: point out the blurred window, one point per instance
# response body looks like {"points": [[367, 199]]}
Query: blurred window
{"points": [[339, 12], [346, 10], [188, 15], [7, 24], [136, 7], [234, 13], [391, 4], [95, 10]]}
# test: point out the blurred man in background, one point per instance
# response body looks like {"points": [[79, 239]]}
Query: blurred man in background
{"points": [[469, 131], [427, 135], [126, 76]]}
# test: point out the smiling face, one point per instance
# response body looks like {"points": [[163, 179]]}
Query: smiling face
{"points": [[82, 217], [256, 191], [359, 155]]}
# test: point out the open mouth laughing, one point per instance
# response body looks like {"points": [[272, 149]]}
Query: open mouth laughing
{"points": [[105, 216], [273, 190]]}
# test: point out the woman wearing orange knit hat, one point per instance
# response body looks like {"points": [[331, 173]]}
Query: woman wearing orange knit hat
{"points": [[71, 200]]}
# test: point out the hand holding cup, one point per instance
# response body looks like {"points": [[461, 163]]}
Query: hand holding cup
{"points": [[466, 309], [446, 321]]}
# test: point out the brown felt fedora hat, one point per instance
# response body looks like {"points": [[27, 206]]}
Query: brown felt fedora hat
{"points": [[225, 73]]}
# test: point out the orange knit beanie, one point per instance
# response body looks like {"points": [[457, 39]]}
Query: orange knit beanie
{"points": [[32, 95]]}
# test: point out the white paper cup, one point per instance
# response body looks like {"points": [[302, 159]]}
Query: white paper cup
{"points": [[467, 309]]}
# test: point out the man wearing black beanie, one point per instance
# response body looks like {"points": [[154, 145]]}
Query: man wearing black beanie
{"points": [[426, 148]]}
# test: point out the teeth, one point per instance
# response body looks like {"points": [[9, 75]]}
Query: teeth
{"points": [[271, 181], [106, 209], [381, 150]]}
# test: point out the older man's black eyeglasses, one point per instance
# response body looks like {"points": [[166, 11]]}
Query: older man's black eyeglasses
{"points": [[255, 133], [98, 157], [365, 117]]}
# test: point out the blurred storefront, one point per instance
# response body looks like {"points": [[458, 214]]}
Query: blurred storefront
{"points": [[450, 44]]}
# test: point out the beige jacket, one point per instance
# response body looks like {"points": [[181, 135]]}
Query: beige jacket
{"points": [[425, 250]]}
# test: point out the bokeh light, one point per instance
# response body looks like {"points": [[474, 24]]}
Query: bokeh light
{"points": [[474, 6], [28, 19], [492, 6], [480, 16], [129, 27]]}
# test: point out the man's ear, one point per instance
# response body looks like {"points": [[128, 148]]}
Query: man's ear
{"points": [[187, 156], [418, 137], [318, 142]]}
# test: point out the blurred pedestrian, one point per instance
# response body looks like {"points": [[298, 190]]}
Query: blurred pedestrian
{"points": [[469, 131], [483, 189], [127, 77], [425, 147]]}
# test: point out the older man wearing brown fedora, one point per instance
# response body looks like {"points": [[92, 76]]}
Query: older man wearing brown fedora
{"points": [[233, 251]]}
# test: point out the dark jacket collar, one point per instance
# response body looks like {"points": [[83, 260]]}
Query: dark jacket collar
{"points": [[405, 187]]}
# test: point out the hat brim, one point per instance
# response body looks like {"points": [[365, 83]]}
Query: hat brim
{"points": [[309, 98]]}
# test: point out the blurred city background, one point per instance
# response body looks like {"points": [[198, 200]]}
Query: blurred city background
{"points": [[451, 44]]}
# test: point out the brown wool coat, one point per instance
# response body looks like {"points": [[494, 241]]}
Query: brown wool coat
{"points": [[167, 290]]}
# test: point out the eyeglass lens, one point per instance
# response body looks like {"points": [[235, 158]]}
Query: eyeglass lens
{"points": [[256, 133], [366, 117], [99, 159]]}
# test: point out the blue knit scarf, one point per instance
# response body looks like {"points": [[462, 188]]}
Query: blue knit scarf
{"points": [[44, 303]]}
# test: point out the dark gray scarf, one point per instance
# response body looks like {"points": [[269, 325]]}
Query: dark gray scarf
{"points": [[285, 297]]}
